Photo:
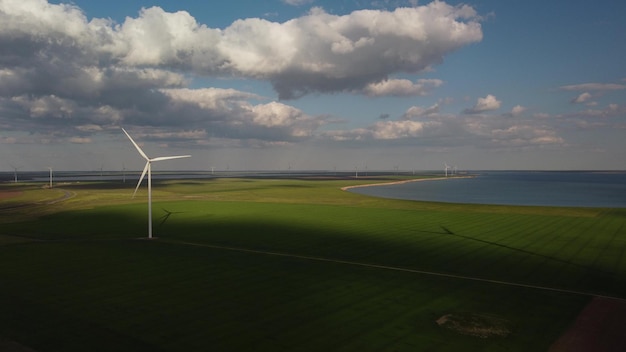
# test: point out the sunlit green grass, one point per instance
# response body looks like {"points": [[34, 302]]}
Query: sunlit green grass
{"points": [[91, 277]]}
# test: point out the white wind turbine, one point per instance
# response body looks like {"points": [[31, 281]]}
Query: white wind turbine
{"points": [[15, 172], [148, 168], [447, 167]]}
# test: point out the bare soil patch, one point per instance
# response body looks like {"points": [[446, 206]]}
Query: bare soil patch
{"points": [[476, 324], [600, 327], [9, 194]]}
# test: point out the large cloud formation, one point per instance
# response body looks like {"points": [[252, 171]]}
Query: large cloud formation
{"points": [[59, 68], [317, 52]]}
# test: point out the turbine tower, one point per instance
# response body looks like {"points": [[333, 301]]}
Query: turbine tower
{"points": [[148, 169], [446, 168]]}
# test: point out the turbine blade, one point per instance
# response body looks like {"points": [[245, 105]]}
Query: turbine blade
{"points": [[145, 169], [160, 158], [136, 146]]}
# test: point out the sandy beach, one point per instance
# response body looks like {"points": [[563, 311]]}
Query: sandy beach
{"points": [[403, 181]]}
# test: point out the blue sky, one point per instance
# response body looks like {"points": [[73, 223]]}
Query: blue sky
{"points": [[314, 84]]}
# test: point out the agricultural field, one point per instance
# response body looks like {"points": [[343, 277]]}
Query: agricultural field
{"points": [[295, 265]]}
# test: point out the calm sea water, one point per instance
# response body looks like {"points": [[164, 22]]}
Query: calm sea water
{"points": [[572, 189]]}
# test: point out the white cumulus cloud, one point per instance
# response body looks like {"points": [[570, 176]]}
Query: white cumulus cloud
{"points": [[401, 87], [417, 111], [487, 103], [518, 110], [582, 98]]}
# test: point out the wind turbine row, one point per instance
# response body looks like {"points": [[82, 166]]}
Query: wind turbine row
{"points": [[148, 169], [448, 167]]}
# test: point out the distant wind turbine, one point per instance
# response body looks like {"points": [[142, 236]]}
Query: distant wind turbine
{"points": [[446, 168], [15, 172], [49, 168], [148, 169]]}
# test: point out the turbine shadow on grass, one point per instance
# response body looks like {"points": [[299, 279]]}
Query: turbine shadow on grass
{"points": [[447, 231], [167, 216]]}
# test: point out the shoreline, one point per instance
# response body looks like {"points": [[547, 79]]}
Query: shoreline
{"points": [[402, 181]]}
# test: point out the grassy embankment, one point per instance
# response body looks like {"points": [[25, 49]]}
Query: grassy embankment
{"points": [[83, 279]]}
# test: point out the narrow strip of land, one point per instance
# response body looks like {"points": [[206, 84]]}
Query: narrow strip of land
{"points": [[394, 268], [402, 181]]}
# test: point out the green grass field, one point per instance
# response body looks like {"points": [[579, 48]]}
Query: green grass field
{"points": [[293, 265]]}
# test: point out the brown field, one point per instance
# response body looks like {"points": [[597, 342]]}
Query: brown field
{"points": [[9, 194], [599, 327]]}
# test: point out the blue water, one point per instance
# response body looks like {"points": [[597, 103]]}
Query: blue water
{"points": [[571, 189]]}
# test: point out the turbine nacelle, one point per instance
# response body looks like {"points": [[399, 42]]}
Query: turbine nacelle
{"points": [[148, 167]]}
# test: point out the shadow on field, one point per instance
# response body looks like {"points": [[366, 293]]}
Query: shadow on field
{"points": [[591, 269], [429, 251]]}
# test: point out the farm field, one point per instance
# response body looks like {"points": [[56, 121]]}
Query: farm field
{"points": [[295, 265]]}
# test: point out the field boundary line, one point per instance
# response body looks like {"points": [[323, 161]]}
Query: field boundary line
{"points": [[394, 268]]}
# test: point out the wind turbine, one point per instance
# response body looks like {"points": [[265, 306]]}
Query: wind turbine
{"points": [[49, 168], [148, 168], [446, 167], [15, 172]]}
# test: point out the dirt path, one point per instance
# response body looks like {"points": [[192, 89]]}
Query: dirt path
{"points": [[18, 211], [66, 195]]}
